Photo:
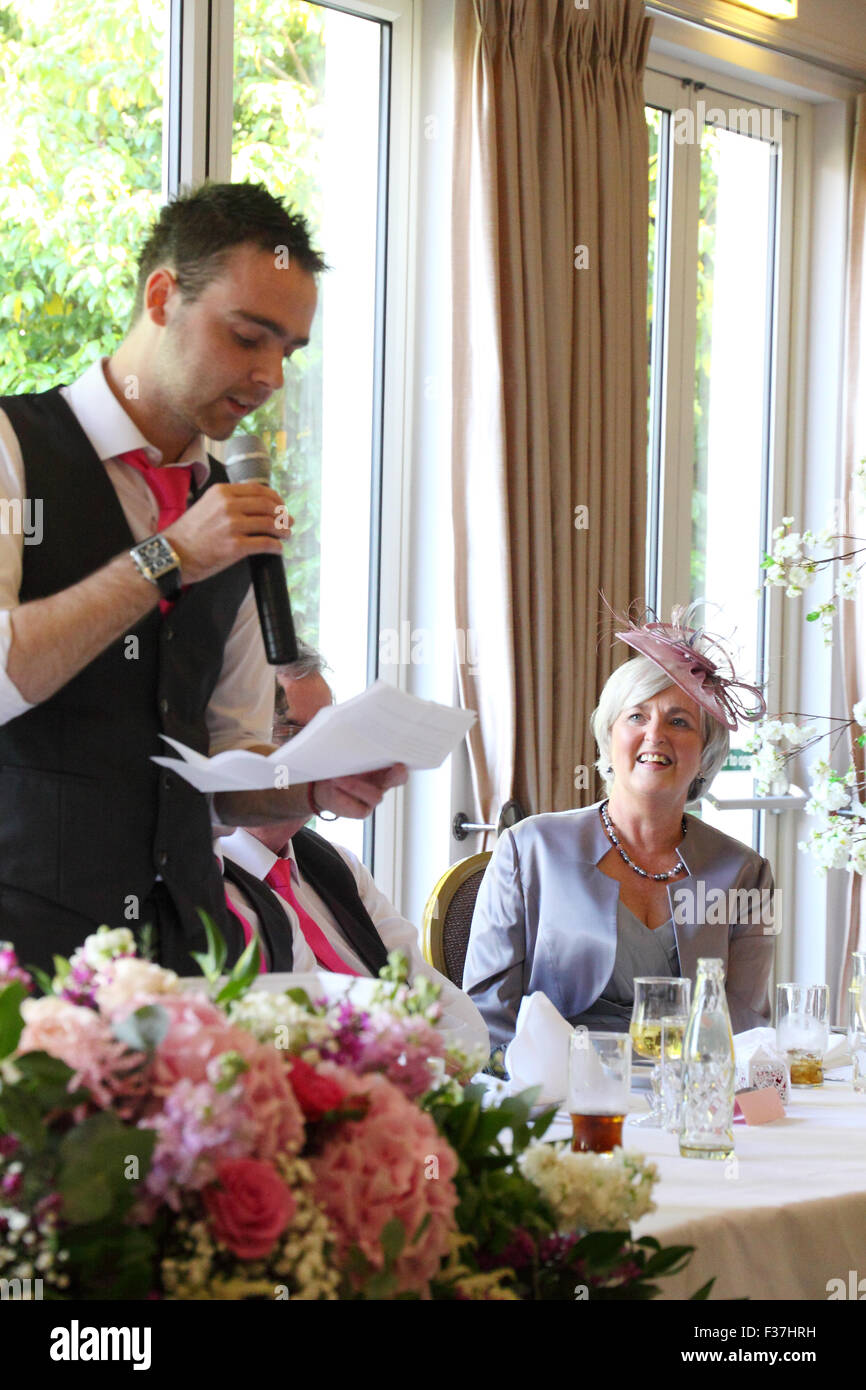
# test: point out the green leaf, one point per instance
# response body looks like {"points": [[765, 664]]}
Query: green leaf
{"points": [[244, 972], [46, 1079], [20, 1115], [61, 967], [211, 962], [11, 1022], [300, 996], [813, 616], [43, 980], [393, 1239], [144, 1029], [101, 1162], [703, 1292]]}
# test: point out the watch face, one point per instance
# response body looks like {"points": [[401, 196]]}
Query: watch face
{"points": [[158, 556]]}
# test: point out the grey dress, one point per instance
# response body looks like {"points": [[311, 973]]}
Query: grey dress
{"points": [[640, 950], [546, 919]]}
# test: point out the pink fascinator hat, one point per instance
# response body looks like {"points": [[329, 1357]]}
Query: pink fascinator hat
{"points": [[699, 664]]}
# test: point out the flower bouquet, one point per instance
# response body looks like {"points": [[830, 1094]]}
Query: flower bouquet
{"points": [[224, 1142]]}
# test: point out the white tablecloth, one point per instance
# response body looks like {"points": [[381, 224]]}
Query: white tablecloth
{"points": [[783, 1217]]}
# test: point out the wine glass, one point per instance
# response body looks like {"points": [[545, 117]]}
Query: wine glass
{"points": [[658, 998]]}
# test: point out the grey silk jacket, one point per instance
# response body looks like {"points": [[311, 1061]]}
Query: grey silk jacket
{"points": [[545, 919]]}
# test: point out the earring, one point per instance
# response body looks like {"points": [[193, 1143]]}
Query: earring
{"points": [[700, 780], [608, 771]]}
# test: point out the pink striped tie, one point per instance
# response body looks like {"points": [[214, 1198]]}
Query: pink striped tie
{"points": [[280, 879]]}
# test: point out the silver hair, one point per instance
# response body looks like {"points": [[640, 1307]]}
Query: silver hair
{"points": [[632, 683], [310, 662]]}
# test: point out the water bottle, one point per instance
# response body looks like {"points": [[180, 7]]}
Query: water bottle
{"points": [[708, 1069]]}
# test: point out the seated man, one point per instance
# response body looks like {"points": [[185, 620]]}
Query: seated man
{"points": [[340, 921]]}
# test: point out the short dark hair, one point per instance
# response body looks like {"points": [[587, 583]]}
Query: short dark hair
{"points": [[195, 232]]}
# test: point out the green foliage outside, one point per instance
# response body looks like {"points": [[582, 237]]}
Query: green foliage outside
{"points": [[704, 325], [82, 91]]}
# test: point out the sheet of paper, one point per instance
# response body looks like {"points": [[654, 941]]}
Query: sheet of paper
{"points": [[380, 726]]}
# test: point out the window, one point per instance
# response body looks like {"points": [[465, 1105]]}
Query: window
{"points": [[107, 107], [718, 268], [81, 89], [306, 122]]}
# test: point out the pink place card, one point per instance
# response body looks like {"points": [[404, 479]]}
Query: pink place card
{"points": [[758, 1107]]}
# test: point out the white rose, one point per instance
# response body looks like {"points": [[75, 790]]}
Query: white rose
{"points": [[860, 713], [128, 978], [104, 944]]}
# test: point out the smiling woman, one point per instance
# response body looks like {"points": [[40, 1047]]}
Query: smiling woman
{"points": [[578, 903]]}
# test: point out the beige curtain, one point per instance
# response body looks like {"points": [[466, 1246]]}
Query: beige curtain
{"points": [[853, 614], [549, 226]]}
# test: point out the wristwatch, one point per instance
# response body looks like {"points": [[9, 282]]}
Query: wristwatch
{"points": [[155, 559]]}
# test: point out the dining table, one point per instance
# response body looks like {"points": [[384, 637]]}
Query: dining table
{"points": [[783, 1218]]}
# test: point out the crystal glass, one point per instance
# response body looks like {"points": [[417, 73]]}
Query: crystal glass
{"points": [[707, 1122], [658, 998], [803, 1030], [671, 1080], [857, 1031], [599, 1080]]}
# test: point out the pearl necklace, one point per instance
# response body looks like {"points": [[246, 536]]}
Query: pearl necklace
{"points": [[679, 867]]}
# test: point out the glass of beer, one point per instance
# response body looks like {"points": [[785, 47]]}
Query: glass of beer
{"points": [[659, 999], [803, 1030], [599, 1080]]}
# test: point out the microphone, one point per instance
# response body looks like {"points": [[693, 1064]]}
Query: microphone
{"points": [[248, 461]]}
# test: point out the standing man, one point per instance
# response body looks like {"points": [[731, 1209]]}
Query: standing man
{"points": [[133, 614]]}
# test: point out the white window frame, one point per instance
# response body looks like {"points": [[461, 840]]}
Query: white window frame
{"points": [[197, 145], [806, 472]]}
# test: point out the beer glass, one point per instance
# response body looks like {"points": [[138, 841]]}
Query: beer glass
{"points": [[658, 998], [803, 1030], [599, 1080]]}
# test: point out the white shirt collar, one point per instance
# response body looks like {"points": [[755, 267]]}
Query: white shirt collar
{"points": [[112, 432], [252, 855]]}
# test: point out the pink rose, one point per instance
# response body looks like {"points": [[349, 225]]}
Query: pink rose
{"points": [[249, 1207]]}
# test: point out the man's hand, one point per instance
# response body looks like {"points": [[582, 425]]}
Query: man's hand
{"points": [[357, 796], [229, 523], [354, 797]]}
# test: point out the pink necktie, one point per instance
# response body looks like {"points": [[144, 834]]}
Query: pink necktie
{"points": [[170, 487], [248, 934], [280, 879]]}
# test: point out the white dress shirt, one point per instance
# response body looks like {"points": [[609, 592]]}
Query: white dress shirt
{"points": [[302, 957], [241, 707], [460, 1018]]}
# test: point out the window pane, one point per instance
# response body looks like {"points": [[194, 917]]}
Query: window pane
{"points": [[306, 123], [81, 88], [733, 386]]}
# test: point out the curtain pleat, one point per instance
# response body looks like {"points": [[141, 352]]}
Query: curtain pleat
{"points": [[549, 375]]}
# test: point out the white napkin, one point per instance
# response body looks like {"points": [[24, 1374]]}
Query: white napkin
{"points": [[538, 1053], [746, 1044]]}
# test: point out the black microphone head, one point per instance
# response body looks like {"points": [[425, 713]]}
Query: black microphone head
{"points": [[247, 459]]}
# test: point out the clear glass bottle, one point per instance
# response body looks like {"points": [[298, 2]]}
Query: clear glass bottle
{"points": [[708, 1069]]}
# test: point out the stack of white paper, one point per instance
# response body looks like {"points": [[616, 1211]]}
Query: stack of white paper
{"points": [[381, 726]]}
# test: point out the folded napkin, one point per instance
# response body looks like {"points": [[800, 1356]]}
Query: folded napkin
{"points": [[747, 1044], [538, 1053]]}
